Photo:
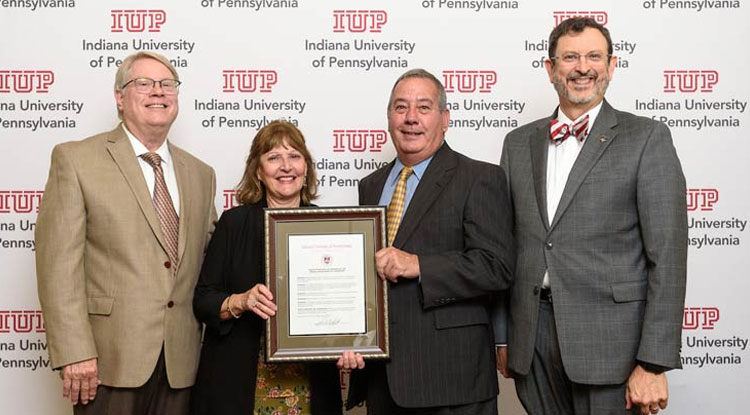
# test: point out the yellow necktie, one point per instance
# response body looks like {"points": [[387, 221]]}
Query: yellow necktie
{"points": [[396, 207]]}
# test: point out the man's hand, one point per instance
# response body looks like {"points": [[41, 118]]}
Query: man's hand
{"points": [[501, 352], [81, 379], [646, 389], [350, 360], [392, 263]]}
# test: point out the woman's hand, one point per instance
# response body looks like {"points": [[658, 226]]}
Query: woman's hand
{"points": [[350, 360], [258, 299]]}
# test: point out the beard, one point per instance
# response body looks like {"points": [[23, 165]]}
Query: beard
{"points": [[600, 86]]}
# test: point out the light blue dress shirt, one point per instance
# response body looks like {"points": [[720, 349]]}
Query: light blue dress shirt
{"points": [[411, 183]]}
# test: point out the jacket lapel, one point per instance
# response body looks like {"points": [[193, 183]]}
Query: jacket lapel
{"points": [[182, 174], [123, 155], [538, 144], [438, 174], [601, 136], [371, 196]]}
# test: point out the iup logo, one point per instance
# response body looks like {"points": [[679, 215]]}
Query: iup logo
{"points": [[598, 16], [137, 20], [701, 199], [359, 141], [25, 81], [704, 318], [690, 80], [249, 80], [20, 201], [359, 21], [466, 81], [21, 321], [230, 199]]}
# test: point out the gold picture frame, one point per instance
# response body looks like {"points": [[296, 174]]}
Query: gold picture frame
{"points": [[320, 267]]}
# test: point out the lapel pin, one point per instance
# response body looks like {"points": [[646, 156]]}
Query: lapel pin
{"points": [[602, 139]]}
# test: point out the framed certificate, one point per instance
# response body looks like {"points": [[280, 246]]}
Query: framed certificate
{"points": [[320, 267]]}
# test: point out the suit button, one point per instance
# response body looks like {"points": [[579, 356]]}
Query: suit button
{"points": [[167, 264], [170, 304], [549, 244], [536, 290]]}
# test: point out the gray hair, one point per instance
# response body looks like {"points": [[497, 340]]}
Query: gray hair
{"points": [[123, 72], [423, 74]]}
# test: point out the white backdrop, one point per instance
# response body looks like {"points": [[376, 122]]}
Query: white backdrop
{"points": [[328, 65]]}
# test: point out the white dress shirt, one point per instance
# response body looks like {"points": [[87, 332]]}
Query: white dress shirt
{"points": [[148, 172], [560, 160]]}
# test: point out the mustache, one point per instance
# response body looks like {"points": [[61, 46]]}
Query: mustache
{"points": [[576, 74]]}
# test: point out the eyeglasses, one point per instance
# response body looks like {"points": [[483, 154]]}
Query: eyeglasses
{"points": [[571, 58], [145, 85]]}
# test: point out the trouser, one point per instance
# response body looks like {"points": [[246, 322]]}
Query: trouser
{"points": [[547, 390], [155, 397]]}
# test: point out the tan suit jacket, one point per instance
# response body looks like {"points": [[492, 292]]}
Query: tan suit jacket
{"points": [[105, 283]]}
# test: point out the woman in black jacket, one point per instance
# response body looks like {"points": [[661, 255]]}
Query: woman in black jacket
{"points": [[233, 302]]}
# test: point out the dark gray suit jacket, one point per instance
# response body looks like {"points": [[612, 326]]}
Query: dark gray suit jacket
{"points": [[459, 224], [616, 250]]}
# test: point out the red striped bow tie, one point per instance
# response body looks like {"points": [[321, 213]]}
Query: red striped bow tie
{"points": [[559, 131]]}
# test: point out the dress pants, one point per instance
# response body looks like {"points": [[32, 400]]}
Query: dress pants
{"points": [[155, 397], [546, 389], [380, 402]]}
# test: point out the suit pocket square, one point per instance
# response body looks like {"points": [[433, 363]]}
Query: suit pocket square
{"points": [[100, 305], [624, 292]]}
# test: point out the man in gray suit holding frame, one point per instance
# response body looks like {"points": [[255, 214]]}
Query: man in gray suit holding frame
{"points": [[595, 313], [449, 250]]}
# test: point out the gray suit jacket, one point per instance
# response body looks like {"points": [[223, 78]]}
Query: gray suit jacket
{"points": [[106, 285], [616, 250], [459, 224]]}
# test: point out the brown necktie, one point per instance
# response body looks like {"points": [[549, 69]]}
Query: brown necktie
{"points": [[164, 207], [396, 207]]}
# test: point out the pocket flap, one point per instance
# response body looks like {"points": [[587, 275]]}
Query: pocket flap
{"points": [[460, 315], [630, 291], [100, 305]]}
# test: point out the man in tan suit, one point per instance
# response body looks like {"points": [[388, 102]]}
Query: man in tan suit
{"points": [[120, 238]]}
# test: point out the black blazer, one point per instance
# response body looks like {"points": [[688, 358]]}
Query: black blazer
{"points": [[227, 370], [459, 224]]}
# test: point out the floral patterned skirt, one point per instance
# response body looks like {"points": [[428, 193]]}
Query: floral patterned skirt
{"points": [[282, 389]]}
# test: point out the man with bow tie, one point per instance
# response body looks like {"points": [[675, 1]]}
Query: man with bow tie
{"points": [[595, 314]]}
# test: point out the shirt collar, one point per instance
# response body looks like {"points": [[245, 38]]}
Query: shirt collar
{"points": [[592, 113], [140, 149], [419, 168]]}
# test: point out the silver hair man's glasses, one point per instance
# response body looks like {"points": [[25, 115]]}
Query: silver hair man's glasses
{"points": [[145, 85]]}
